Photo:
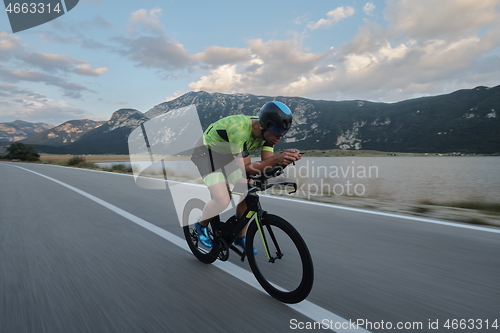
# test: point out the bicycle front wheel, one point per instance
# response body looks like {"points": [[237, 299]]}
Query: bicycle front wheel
{"points": [[285, 270]]}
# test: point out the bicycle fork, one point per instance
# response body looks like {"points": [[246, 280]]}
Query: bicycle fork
{"points": [[258, 218]]}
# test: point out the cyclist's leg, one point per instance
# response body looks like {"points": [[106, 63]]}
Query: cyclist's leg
{"points": [[216, 182], [238, 179], [240, 210], [221, 198]]}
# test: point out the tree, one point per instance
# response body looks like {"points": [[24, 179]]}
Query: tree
{"points": [[22, 152]]}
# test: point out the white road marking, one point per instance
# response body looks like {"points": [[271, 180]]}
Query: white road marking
{"points": [[306, 308]]}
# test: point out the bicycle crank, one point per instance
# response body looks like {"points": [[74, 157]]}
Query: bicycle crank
{"points": [[223, 253]]}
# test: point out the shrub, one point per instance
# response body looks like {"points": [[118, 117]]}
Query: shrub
{"points": [[118, 167], [121, 168], [75, 160], [23, 152], [79, 161]]}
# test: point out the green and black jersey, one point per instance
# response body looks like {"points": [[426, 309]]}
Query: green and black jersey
{"points": [[233, 134]]}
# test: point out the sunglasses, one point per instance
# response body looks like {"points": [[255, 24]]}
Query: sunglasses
{"points": [[276, 130]]}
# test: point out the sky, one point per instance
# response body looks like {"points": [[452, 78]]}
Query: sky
{"points": [[106, 55]]}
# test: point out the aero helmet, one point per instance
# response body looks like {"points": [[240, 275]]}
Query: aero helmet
{"points": [[275, 117]]}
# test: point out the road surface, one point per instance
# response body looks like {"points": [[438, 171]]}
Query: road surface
{"points": [[88, 251]]}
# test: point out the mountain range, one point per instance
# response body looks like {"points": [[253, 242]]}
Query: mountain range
{"points": [[463, 121], [19, 130], [63, 134]]}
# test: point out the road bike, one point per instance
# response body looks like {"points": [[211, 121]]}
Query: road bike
{"points": [[283, 265]]}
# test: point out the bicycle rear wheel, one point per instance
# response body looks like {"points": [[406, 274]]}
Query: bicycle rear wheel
{"points": [[288, 276], [191, 214]]}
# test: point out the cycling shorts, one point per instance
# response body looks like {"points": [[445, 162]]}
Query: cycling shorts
{"points": [[215, 167]]}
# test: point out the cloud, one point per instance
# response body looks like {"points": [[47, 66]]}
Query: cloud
{"points": [[80, 33], [333, 16], [53, 112], [300, 19], [278, 66], [9, 42], [407, 59], [96, 22], [457, 47], [12, 49], [217, 56], [85, 69], [22, 64], [50, 62], [145, 20], [368, 8], [9, 45], [82, 40], [70, 89], [221, 79], [12, 90], [155, 52], [369, 38], [60, 62], [169, 55], [279, 60], [178, 93], [34, 107], [53, 37], [438, 19]]}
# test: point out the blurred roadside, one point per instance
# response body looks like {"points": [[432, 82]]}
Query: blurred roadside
{"points": [[477, 216], [441, 212]]}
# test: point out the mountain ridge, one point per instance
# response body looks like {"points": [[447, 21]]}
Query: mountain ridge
{"points": [[462, 121], [19, 129], [66, 133], [109, 138]]}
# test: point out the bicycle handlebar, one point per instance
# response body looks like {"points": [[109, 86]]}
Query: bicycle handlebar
{"points": [[254, 188], [268, 173], [260, 180]]}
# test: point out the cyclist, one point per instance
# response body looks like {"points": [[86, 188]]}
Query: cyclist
{"points": [[229, 141]]}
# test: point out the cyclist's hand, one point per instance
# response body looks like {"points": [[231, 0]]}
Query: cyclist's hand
{"points": [[288, 157]]}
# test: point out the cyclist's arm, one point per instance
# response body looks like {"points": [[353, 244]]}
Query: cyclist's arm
{"points": [[269, 160], [265, 154]]}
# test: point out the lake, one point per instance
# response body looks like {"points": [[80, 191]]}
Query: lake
{"points": [[409, 179]]}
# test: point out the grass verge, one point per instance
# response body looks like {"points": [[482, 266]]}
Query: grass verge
{"points": [[482, 206]]}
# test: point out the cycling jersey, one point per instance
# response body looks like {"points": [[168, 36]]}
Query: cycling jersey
{"points": [[237, 131], [222, 141]]}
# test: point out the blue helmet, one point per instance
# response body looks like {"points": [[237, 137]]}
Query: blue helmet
{"points": [[275, 117]]}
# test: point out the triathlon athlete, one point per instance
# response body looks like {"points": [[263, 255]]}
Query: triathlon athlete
{"points": [[230, 140]]}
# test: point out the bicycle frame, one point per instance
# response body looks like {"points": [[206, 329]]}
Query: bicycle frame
{"points": [[254, 212]]}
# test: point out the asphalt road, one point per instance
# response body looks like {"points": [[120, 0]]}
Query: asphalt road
{"points": [[69, 263]]}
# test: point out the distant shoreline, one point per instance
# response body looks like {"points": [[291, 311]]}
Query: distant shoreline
{"points": [[47, 158], [375, 153]]}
